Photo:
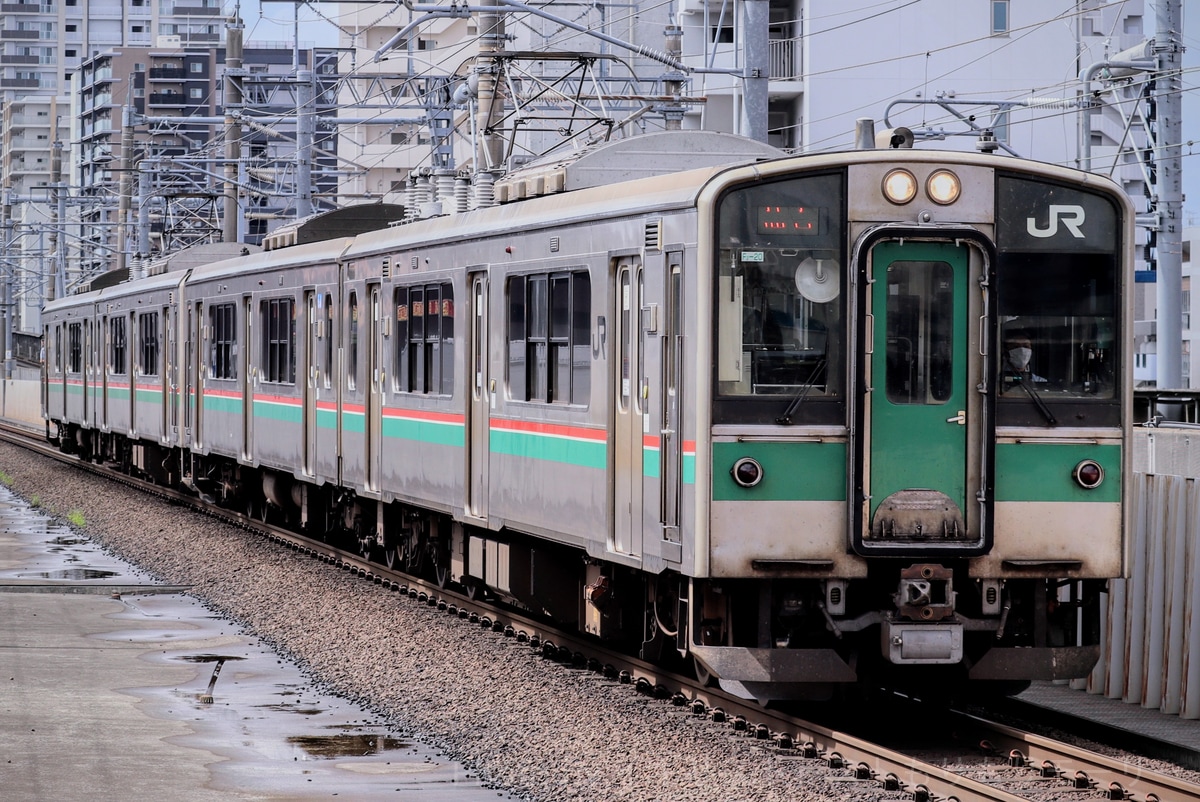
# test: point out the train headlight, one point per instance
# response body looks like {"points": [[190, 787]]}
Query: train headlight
{"points": [[943, 187], [899, 186], [747, 472], [1088, 474]]}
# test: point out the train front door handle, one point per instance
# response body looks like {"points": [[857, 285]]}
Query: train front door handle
{"points": [[960, 418]]}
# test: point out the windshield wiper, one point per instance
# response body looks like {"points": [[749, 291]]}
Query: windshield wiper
{"points": [[786, 418], [1037, 401]]}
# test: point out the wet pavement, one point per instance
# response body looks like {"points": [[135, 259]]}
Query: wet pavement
{"points": [[112, 687]]}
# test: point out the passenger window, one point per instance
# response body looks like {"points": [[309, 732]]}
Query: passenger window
{"points": [[549, 340], [352, 344]]}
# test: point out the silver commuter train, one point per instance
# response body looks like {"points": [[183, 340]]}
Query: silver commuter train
{"points": [[813, 422]]}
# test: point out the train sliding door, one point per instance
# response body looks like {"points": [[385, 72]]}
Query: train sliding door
{"points": [[478, 418], [922, 466], [375, 383], [311, 376], [628, 412]]}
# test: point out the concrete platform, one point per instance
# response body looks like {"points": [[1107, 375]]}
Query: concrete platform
{"points": [[1133, 718], [107, 692]]}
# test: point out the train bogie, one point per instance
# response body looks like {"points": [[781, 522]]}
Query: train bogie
{"points": [[810, 422]]}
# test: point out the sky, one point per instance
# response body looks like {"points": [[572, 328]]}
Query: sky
{"points": [[272, 21], [1191, 114]]}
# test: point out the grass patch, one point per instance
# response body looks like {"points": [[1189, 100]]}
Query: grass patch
{"points": [[75, 518], [35, 501], [5, 479]]}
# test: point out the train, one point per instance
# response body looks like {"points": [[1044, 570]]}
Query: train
{"points": [[802, 423]]}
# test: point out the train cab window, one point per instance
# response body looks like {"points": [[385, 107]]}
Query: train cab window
{"points": [[1057, 323], [116, 346], [1056, 351], [549, 344], [75, 348], [148, 343], [780, 304], [222, 357], [920, 332], [424, 351], [278, 340]]}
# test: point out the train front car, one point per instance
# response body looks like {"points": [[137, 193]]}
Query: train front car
{"points": [[918, 424]]}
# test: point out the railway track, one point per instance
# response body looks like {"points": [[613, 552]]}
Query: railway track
{"points": [[998, 758]]}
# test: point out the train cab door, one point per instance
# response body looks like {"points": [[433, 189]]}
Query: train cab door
{"points": [[311, 375], [628, 411], [194, 390], [670, 441], [375, 377], [921, 466], [480, 395]]}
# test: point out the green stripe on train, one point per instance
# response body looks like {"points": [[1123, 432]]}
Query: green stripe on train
{"points": [[222, 403], [423, 431], [583, 453], [1043, 472], [268, 410], [791, 471]]}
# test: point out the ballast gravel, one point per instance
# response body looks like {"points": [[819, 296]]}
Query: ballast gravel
{"points": [[531, 728]]}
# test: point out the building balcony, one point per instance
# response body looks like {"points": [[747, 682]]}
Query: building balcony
{"points": [[27, 8], [197, 11], [785, 59], [15, 60], [168, 73], [19, 83], [21, 35], [167, 99]]}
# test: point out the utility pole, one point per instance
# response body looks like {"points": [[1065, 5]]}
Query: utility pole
{"points": [[126, 186], [1168, 194], [233, 130], [488, 153]]}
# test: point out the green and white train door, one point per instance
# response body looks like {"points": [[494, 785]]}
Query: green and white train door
{"points": [[628, 411], [918, 465], [480, 395]]}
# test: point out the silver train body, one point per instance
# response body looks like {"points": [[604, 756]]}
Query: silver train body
{"points": [[809, 422]]}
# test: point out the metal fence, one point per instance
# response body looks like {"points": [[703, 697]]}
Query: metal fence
{"points": [[1151, 645]]}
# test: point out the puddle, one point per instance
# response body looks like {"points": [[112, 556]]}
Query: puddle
{"points": [[208, 658], [343, 746], [71, 574]]}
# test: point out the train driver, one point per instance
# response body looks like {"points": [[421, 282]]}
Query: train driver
{"points": [[1018, 358]]}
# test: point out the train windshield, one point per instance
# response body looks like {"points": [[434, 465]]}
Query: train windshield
{"points": [[781, 303], [1056, 280]]}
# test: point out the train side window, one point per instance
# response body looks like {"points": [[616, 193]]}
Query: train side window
{"points": [[75, 344], [116, 346], [148, 343], [279, 340], [549, 348], [223, 342], [425, 339], [352, 344], [516, 339], [400, 382]]}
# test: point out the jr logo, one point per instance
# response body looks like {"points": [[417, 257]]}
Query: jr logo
{"points": [[1071, 217]]}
